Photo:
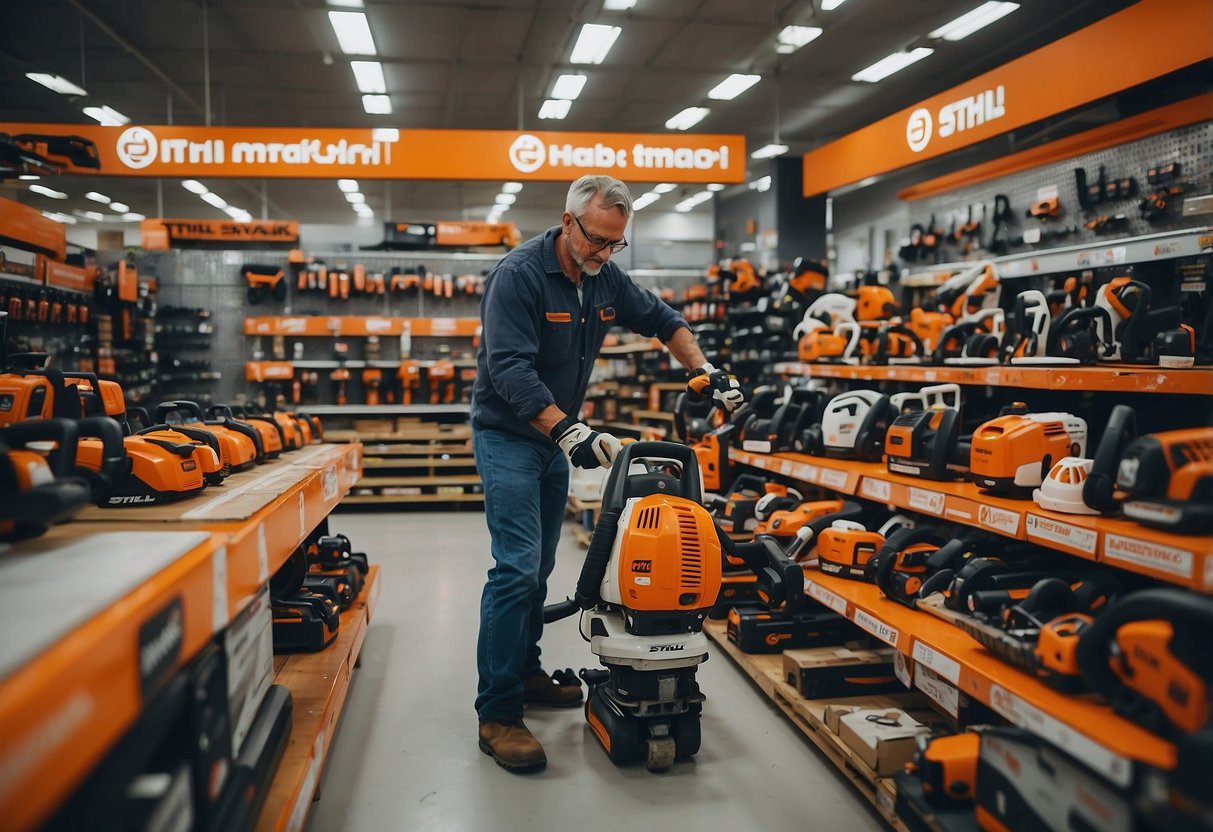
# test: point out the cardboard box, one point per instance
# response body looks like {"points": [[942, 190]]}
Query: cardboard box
{"points": [[831, 672], [836, 710], [884, 746], [375, 425]]}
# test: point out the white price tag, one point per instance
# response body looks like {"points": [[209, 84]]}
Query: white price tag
{"points": [[830, 599], [1048, 530], [329, 483], [806, 472], [833, 478], [785, 467], [998, 519], [757, 446], [930, 502], [944, 694], [303, 529], [219, 589], [947, 668], [885, 803], [876, 627], [1177, 562], [263, 555], [875, 489], [902, 669], [1047, 192], [1113, 766]]}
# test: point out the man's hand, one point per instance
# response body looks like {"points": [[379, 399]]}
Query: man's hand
{"points": [[722, 388], [584, 446]]}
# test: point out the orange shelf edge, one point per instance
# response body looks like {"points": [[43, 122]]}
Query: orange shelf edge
{"points": [[1089, 730], [318, 683], [351, 325], [1183, 560]]}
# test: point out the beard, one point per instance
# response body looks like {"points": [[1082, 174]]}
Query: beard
{"points": [[589, 266]]}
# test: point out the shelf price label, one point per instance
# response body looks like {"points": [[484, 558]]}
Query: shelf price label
{"points": [[946, 667], [933, 685], [1153, 556], [830, 599], [785, 467], [931, 502], [876, 627], [903, 669], [219, 589], [1069, 536], [833, 478], [998, 520], [806, 472], [1113, 766], [875, 489]]}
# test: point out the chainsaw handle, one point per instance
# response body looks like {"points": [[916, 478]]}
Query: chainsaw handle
{"points": [[179, 406], [1099, 489], [63, 432]]}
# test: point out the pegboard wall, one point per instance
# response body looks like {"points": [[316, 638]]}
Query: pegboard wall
{"points": [[1191, 147]]}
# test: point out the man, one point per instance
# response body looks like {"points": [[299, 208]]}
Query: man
{"points": [[547, 307]]}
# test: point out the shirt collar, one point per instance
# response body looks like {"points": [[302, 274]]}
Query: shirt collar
{"points": [[551, 264]]}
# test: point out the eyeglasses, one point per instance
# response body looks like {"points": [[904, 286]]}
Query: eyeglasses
{"points": [[597, 244]]}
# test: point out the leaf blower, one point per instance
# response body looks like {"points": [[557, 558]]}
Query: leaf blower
{"points": [[854, 424], [1014, 452]]}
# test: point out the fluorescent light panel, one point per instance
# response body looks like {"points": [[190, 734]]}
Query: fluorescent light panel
{"points": [[644, 201], [120, 207], [56, 83], [554, 108], [194, 186], [769, 151], [715, 187], [692, 201], [349, 4], [98, 197], [664, 188], [979, 18], [96, 216], [29, 177], [511, 188], [348, 186], [131, 216], [505, 199], [60, 218], [795, 37], [377, 105], [831, 5], [688, 118], [106, 116], [617, 5], [368, 75], [593, 43], [733, 86], [761, 184], [893, 63], [214, 199], [355, 198], [353, 33], [389, 135], [568, 87], [45, 191]]}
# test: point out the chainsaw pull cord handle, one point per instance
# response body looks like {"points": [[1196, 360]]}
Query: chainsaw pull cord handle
{"points": [[1099, 489]]}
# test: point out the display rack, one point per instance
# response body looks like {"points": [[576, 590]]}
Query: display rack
{"points": [[84, 590], [1118, 378], [351, 325], [1184, 560]]}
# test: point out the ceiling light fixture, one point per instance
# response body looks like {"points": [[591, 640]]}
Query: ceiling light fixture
{"points": [[55, 82], [377, 105], [688, 118], [388, 135], [733, 86], [213, 199], [29, 177], [505, 199], [554, 108], [692, 201], [979, 18], [355, 198], [347, 186], [715, 187], [593, 44], [368, 75], [106, 116], [792, 38], [769, 151], [511, 188], [353, 33], [617, 5], [664, 188], [194, 186], [831, 5], [45, 191], [568, 87], [893, 63], [96, 216], [132, 216], [644, 201], [349, 4], [761, 184], [120, 207], [98, 197], [60, 218]]}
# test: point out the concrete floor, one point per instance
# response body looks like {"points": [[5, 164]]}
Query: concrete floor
{"points": [[405, 755]]}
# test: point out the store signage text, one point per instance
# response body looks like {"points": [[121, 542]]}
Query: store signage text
{"points": [[956, 117], [529, 153]]}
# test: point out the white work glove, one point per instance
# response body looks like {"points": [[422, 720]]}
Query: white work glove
{"points": [[719, 385], [584, 446]]}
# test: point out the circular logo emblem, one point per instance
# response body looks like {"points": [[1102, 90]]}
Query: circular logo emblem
{"points": [[137, 147], [527, 153], [918, 129]]}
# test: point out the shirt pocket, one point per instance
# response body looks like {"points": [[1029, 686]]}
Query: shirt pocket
{"points": [[604, 317], [557, 338]]}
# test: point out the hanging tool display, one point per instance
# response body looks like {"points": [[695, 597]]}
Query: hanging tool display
{"points": [[265, 282]]}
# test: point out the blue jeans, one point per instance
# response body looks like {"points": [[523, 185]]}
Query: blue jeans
{"points": [[526, 487]]}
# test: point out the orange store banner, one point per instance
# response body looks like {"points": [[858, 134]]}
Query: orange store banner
{"points": [[1144, 41], [160, 234], [365, 153]]}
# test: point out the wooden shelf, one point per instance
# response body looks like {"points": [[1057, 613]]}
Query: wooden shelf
{"points": [[424, 462], [651, 345], [808, 715], [318, 683], [1112, 378], [1184, 560], [422, 482], [330, 326], [419, 434], [1088, 730], [370, 499]]}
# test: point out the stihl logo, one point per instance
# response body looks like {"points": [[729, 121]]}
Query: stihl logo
{"points": [[126, 501], [956, 117], [667, 648], [642, 566]]}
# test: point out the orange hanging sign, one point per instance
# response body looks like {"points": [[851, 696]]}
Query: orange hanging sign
{"points": [[1147, 40], [160, 234], [332, 153]]}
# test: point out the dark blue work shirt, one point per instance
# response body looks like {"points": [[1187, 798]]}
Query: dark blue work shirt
{"points": [[539, 341]]}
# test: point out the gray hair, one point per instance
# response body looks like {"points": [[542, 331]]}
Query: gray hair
{"points": [[615, 194]]}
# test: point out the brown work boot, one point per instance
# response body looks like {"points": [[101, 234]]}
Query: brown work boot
{"points": [[512, 745], [542, 689]]}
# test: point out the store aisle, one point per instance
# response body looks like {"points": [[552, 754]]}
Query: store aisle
{"points": [[405, 755]]}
